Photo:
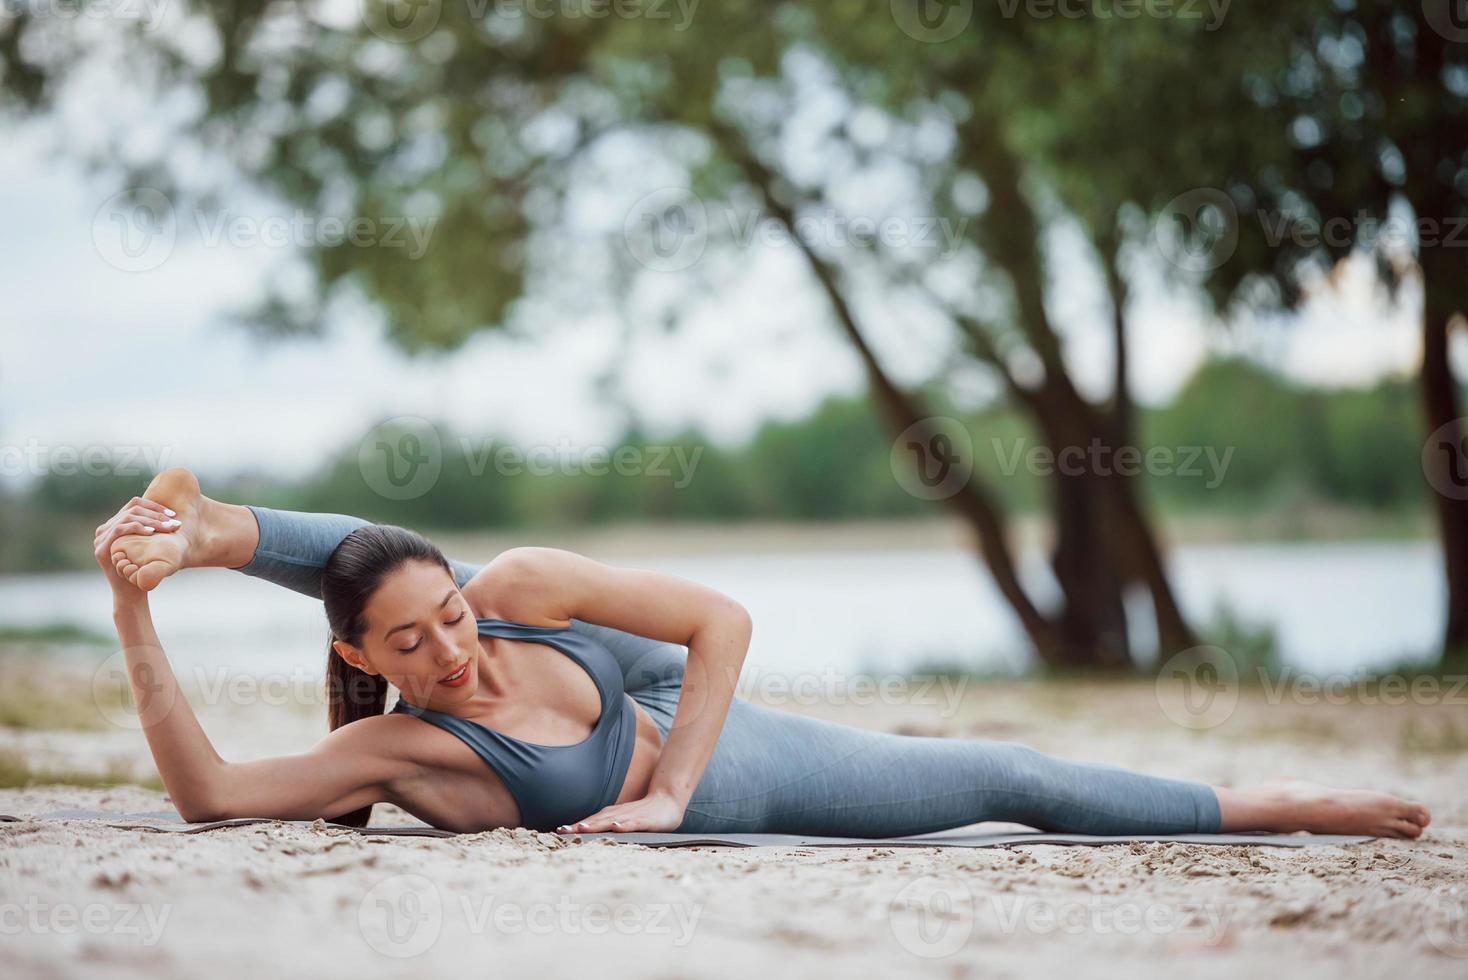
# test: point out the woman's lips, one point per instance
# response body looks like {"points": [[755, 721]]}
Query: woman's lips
{"points": [[458, 677]]}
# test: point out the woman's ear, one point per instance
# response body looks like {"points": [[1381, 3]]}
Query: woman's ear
{"points": [[352, 656]]}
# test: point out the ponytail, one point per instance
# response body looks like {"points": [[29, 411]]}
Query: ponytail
{"points": [[351, 694], [351, 575]]}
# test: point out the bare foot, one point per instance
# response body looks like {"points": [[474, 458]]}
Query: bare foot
{"points": [[1288, 805], [147, 560]]}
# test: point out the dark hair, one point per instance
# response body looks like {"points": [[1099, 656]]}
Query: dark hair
{"points": [[352, 574]]}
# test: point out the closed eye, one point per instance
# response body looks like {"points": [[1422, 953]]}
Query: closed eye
{"points": [[452, 622]]}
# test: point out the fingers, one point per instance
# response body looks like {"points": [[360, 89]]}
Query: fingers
{"points": [[154, 517], [153, 505], [121, 530], [599, 822]]}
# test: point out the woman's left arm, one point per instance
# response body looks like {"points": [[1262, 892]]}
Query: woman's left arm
{"points": [[562, 585]]}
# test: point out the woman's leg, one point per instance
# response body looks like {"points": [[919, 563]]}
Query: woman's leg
{"points": [[776, 772], [292, 547], [288, 548]]}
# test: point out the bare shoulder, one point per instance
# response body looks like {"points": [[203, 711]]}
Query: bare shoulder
{"points": [[552, 586], [388, 738], [402, 750], [518, 584]]}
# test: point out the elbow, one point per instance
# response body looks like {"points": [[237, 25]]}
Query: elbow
{"points": [[199, 804], [199, 811], [742, 617], [738, 618]]}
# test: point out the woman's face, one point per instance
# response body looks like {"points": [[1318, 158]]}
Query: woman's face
{"points": [[421, 636]]}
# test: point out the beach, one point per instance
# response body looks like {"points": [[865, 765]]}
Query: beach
{"points": [[303, 900]]}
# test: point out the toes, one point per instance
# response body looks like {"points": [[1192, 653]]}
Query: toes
{"points": [[150, 575], [1410, 810], [1404, 828]]}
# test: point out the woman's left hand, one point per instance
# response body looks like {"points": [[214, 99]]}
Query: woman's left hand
{"points": [[655, 812]]}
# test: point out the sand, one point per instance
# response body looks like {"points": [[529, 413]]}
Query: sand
{"points": [[301, 901]]}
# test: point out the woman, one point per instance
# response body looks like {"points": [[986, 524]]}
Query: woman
{"points": [[625, 732]]}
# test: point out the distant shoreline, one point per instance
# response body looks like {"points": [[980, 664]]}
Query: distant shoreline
{"points": [[941, 532], [923, 534]]}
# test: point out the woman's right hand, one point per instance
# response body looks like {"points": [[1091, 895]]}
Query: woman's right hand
{"points": [[138, 516]]}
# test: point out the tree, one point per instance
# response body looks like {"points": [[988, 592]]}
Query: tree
{"points": [[1313, 135], [494, 127]]}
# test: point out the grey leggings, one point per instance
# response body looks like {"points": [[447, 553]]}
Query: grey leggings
{"points": [[777, 772]]}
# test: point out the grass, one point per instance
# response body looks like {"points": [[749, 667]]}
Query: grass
{"points": [[53, 633], [37, 699], [1445, 738], [16, 773]]}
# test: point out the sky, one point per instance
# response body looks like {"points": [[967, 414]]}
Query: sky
{"points": [[96, 356]]}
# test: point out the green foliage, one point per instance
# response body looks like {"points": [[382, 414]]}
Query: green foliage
{"points": [[1288, 446]]}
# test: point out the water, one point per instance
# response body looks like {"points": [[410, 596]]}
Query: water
{"points": [[1337, 607]]}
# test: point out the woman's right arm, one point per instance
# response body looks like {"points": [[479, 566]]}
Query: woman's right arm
{"points": [[353, 766]]}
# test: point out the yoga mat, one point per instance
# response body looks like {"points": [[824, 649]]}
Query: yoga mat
{"points": [[169, 822]]}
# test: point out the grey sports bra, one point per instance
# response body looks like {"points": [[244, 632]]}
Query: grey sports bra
{"points": [[555, 784]]}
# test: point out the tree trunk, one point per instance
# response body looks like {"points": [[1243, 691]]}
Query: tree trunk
{"points": [[1445, 457], [973, 501]]}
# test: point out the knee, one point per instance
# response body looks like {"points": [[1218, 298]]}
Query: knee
{"points": [[1020, 756], [1016, 766]]}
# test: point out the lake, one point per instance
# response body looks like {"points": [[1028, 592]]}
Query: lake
{"points": [[1337, 607]]}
